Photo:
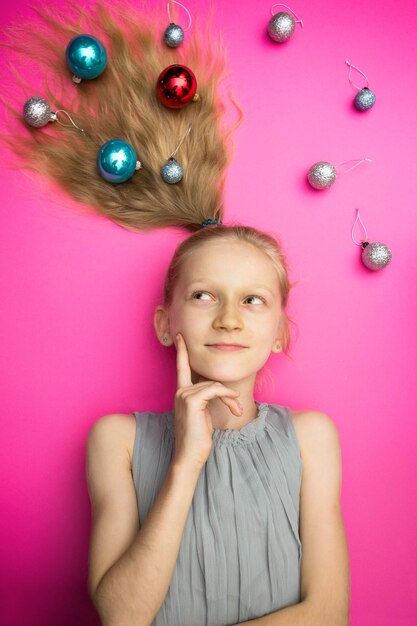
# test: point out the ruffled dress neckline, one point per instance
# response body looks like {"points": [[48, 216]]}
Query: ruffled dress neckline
{"points": [[223, 435]]}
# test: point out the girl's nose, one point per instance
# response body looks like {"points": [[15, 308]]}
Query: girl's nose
{"points": [[228, 318]]}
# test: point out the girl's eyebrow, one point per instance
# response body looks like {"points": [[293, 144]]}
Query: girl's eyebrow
{"points": [[203, 280]]}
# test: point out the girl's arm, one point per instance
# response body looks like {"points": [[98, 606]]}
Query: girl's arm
{"points": [[130, 568]]}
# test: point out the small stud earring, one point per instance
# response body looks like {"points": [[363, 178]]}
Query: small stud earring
{"points": [[278, 347], [164, 338]]}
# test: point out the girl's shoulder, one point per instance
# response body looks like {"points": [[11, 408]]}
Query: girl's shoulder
{"points": [[121, 427], [308, 424]]}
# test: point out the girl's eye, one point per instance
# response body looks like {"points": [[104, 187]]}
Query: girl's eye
{"points": [[259, 298], [196, 293]]}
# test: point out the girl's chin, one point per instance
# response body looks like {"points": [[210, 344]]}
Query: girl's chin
{"points": [[221, 374]]}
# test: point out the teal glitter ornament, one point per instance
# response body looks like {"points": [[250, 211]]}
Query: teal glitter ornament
{"points": [[172, 172], [173, 35], [365, 98], [117, 161], [86, 57]]}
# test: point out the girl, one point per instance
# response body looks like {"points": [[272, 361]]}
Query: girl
{"points": [[196, 511], [222, 510]]}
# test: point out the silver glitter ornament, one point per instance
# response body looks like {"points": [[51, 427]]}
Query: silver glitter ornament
{"points": [[172, 171], [281, 27], [173, 35], [364, 99], [321, 175], [37, 112], [376, 255]]}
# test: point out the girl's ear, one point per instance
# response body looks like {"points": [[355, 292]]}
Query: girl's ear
{"points": [[161, 324]]}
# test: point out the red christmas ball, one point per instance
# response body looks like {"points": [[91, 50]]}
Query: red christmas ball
{"points": [[176, 86]]}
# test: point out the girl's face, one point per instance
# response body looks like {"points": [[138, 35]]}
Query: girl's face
{"points": [[227, 293]]}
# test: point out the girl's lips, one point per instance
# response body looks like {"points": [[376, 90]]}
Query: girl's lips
{"points": [[227, 348]]}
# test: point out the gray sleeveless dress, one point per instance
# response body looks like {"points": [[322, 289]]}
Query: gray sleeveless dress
{"points": [[240, 553]]}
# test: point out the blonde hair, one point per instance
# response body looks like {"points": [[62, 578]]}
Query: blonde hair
{"points": [[122, 103]]}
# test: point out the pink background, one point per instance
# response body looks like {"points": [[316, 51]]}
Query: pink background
{"points": [[78, 295]]}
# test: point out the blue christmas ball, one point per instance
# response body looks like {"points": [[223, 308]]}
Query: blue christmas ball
{"points": [[86, 56], [117, 161], [364, 99]]}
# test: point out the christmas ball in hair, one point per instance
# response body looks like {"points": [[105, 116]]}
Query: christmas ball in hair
{"points": [[86, 57], [173, 35], [176, 86], [172, 171], [375, 256], [281, 27], [37, 112], [117, 161], [321, 175], [364, 99]]}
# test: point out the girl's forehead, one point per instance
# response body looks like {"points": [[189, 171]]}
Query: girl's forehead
{"points": [[220, 265], [226, 256]]}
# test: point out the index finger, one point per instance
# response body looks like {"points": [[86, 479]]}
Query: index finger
{"points": [[183, 364]]}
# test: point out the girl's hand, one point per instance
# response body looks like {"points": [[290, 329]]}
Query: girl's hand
{"points": [[193, 422]]}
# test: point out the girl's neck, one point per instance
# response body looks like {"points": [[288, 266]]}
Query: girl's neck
{"points": [[223, 418]]}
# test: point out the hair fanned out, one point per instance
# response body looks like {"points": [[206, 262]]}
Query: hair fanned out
{"points": [[122, 103]]}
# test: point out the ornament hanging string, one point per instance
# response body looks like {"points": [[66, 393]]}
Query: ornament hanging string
{"points": [[359, 161], [363, 226], [358, 70], [376, 255], [185, 8], [68, 125], [172, 155], [284, 5], [137, 165]]}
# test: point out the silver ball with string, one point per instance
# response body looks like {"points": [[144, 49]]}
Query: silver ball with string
{"points": [[174, 34], [376, 255], [172, 171], [281, 25]]}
